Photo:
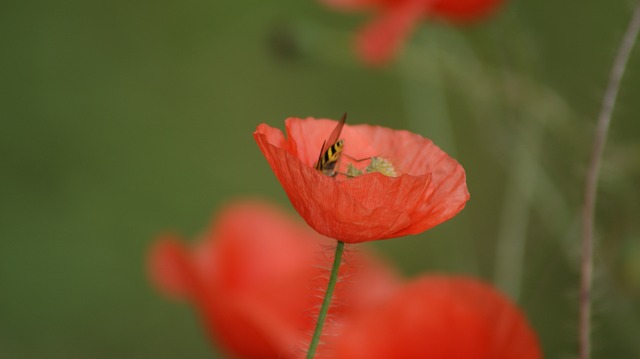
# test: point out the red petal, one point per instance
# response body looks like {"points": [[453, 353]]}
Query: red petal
{"points": [[441, 317], [446, 194], [369, 207], [169, 267], [255, 275], [380, 40], [255, 243], [463, 10]]}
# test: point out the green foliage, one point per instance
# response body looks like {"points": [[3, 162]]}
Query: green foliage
{"points": [[119, 120]]}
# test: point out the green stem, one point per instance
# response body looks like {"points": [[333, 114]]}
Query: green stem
{"points": [[333, 278], [591, 183]]}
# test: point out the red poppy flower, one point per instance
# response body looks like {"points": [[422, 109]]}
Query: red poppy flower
{"points": [[383, 37], [429, 189], [440, 317], [255, 276]]}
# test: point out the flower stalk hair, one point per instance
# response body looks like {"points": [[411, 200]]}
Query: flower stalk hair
{"points": [[591, 181], [326, 302]]}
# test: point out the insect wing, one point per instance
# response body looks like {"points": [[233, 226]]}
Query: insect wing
{"points": [[319, 163], [335, 135]]}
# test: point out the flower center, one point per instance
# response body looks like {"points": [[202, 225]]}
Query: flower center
{"points": [[376, 164]]}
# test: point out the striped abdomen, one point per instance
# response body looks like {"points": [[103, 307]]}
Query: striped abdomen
{"points": [[329, 159]]}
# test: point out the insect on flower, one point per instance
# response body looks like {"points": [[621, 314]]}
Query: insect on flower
{"points": [[428, 188], [331, 150]]}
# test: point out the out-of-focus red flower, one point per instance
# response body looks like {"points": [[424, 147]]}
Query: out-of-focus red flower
{"points": [[257, 279], [395, 19], [439, 317], [430, 188]]}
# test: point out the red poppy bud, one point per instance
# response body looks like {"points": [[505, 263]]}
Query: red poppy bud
{"points": [[430, 188], [440, 317], [257, 278], [379, 41]]}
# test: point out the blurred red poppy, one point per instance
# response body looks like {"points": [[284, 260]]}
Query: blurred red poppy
{"points": [[383, 37], [430, 188], [257, 280], [439, 317]]}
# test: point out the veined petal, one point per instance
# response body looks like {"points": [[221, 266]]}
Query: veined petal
{"points": [[430, 188]]}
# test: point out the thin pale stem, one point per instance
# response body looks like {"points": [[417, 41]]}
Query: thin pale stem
{"points": [[516, 206], [333, 278], [591, 183]]}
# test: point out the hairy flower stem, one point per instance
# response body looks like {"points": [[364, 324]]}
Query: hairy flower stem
{"points": [[591, 183], [333, 278]]}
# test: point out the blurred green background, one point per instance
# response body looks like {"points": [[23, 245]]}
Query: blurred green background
{"points": [[122, 119]]}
